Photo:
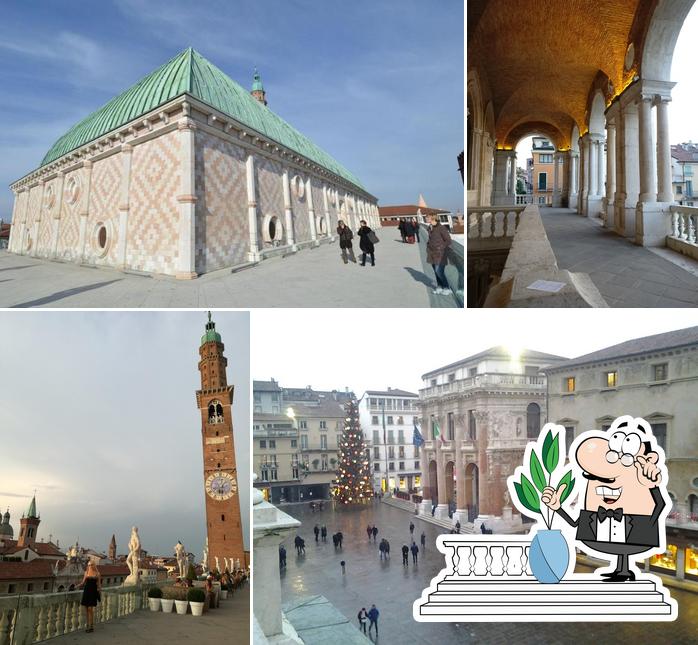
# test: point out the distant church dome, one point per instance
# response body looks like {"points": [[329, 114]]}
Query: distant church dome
{"points": [[5, 528]]}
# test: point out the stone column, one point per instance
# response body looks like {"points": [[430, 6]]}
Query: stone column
{"points": [[287, 211], [556, 179], [609, 221], [124, 204], [186, 263], [593, 169], [425, 506], [573, 180], [512, 170], [34, 252], [441, 511], [461, 513], [584, 197], [499, 194], [326, 210], [57, 214], [311, 212], [631, 167], [24, 228], [648, 189], [270, 528], [253, 254], [84, 211], [475, 160], [602, 168], [665, 192]]}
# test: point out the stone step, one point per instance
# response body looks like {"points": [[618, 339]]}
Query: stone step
{"points": [[447, 523], [532, 611], [530, 585], [441, 597]]}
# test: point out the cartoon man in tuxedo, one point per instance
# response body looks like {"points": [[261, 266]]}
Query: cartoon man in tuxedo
{"points": [[623, 501]]}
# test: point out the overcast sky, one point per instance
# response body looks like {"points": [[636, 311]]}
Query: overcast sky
{"points": [[370, 350], [98, 413], [683, 126], [378, 85]]}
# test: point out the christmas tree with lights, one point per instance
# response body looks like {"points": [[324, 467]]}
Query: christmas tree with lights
{"points": [[353, 474]]}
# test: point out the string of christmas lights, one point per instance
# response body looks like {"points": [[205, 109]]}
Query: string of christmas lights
{"points": [[353, 472]]}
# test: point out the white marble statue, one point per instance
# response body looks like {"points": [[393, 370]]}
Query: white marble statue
{"points": [[218, 566], [134, 556], [182, 559], [257, 497], [237, 563], [204, 556]]}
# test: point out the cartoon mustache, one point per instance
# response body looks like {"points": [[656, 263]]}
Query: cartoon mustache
{"points": [[593, 477]]}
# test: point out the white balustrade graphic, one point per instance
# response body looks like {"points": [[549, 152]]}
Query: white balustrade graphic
{"points": [[494, 559], [493, 222], [684, 223], [31, 618]]}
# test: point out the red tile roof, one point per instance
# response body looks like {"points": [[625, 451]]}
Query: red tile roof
{"points": [[407, 210], [40, 548], [5, 230], [685, 152], [113, 569], [26, 570]]}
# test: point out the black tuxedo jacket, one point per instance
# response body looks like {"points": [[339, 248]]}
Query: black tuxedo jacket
{"points": [[639, 529]]}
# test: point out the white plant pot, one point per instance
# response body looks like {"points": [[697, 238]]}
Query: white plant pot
{"points": [[197, 608], [154, 604], [224, 594], [167, 604], [181, 606]]}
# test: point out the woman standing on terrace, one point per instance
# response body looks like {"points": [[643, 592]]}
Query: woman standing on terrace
{"points": [[91, 593]]}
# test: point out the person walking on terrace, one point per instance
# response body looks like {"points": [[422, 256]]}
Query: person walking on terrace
{"points": [[437, 254], [415, 550], [345, 238], [405, 553], [91, 593], [367, 241], [373, 618]]}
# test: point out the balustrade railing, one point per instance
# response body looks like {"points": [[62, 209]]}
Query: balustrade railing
{"points": [[32, 618], [480, 380], [523, 200], [684, 223], [493, 222], [472, 557]]}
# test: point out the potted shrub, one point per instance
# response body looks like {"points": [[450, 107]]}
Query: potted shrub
{"points": [[154, 596], [549, 554], [180, 599], [167, 600], [196, 598]]}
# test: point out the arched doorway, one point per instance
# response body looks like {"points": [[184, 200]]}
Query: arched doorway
{"points": [[692, 507], [532, 421], [472, 491]]}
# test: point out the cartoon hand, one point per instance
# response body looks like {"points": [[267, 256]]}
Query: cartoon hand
{"points": [[551, 497], [648, 473]]}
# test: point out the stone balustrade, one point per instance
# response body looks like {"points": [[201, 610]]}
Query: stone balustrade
{"points": [[33, 618], [493, 222], [475, 557], [523, 200], [684, 223], [485, 380]]}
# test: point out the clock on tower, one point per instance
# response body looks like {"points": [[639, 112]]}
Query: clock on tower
{"points": [[215, 400]]}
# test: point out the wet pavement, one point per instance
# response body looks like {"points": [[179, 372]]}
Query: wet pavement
{"points": [[394, 587]]}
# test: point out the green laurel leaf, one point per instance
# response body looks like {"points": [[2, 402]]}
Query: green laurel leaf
{"points": [[522, 497], [566, 479], [537, 472], [530, 494], [553, 455]]}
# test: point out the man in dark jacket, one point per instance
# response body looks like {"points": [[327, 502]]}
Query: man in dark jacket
{"points": [[415, 550], [374, 530], [437, 254], [405, 553], [316, 530], [401, 228], [323, 533], [345, 238], [340, 537], [373, 614]]}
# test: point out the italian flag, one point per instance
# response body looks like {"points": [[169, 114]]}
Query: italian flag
{"points": [[437, 430]]}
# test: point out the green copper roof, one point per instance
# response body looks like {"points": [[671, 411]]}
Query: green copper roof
{"points": [[32, 508], [211, 333], [190, 73], [257, 82]]}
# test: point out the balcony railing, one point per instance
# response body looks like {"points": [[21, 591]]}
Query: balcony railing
{"points": [[505, 381], [493, 222], [522, 200], [684, 223], [32, 618]]}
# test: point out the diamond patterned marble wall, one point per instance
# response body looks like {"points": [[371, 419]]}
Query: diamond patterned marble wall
{"points": [[104, 210], [222, 225], [69, 226], [152, 234], [270, 197]]}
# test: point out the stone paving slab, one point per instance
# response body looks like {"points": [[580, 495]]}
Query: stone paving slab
{"points": [[317, 622], [229, 624], [310, 278], [393, 587], [626, 275]]}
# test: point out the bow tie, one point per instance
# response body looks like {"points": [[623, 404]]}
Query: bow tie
{"points": [[616, 514]]}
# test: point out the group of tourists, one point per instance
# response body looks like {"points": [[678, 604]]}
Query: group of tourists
{"points": [[437, 246], [372, 531], [371, 616]]}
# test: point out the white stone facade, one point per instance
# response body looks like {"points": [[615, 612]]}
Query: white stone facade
{"points": [[182, 191]]}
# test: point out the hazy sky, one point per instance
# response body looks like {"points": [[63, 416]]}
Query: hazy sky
{"points": [[98, 413], [378, 85], [682, 119], [380, 348]]}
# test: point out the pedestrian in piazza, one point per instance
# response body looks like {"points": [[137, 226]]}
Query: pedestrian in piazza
{"points": [[297, 544], [340, 537], [437, 254], [415, 226], [363, 618], [411, 528], [401, 228], [415, 550], [323, 533], [367, 241], [423, 540], [316, 530], [369, 530], [387, 549], [381, 548], [91, 593], [405, 553], [374, 530], [373, 619], [345, 244], [335, 541]]}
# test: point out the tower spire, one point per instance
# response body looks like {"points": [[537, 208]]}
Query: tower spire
{"points": [[258, 88]]}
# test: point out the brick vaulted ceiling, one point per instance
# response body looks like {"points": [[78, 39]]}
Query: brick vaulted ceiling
{"points": [[542, 57]]}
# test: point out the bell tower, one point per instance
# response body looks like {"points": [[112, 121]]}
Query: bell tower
{"points": [[29, 525], [215, 400], [258, 89]]}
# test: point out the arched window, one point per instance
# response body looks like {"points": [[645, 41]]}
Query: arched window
{"points": [[693, 506], [215, 412], [532, 420]]}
